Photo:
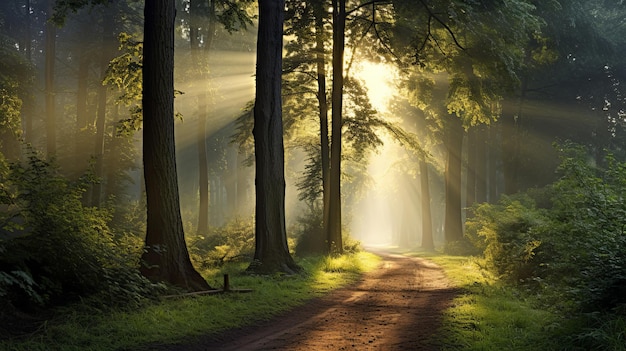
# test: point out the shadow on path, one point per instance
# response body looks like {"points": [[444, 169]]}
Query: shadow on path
{"points": [[399, 306]]}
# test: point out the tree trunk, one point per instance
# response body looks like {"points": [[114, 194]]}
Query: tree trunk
{"points": [[27, 106], [481, 164], [49, 85], [511, 140], [200, 60], [105, 56], [492, 160], [335, 241], [165, 256], [271, 250], [428, 242], [81, 96], [323, 112], [471, 167], [453, 226], [510, 148]]}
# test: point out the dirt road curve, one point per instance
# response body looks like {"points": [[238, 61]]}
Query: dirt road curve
{"points": [[396, 307]]}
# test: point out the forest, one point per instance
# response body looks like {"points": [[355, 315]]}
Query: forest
{"points": [[152, 150]]}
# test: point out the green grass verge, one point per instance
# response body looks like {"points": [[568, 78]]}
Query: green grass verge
{"points": [[489, 316], [177, 320]]}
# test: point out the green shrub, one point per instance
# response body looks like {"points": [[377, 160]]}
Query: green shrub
{"points": [[56, 250], [309, 233], [572, 251], [230, 243], [505, 234], [585, 246]]}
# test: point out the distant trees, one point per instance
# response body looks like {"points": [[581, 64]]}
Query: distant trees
{"points": [[478, 72], [50, 50]]}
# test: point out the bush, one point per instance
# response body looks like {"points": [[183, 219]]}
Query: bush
{"points": [[585, 247], [309, 233], [230, 243], [504, 232], [311, 238], [573, 251], [55, 249]]}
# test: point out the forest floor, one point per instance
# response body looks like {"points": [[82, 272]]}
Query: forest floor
{"points": [[398, 306]]}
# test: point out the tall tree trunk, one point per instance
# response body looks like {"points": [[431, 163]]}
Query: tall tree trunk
{"points": [[112, 186], [510, 149], [428, 242], [492, 160], [105, 56], [27, 107], [242, 187], [471, 167], [49, 85], [165, 256], [335, 241], [323, 112], [200, 60], [271, 250], [453, 226], [511, 140], [81, 96], [481, 164]]}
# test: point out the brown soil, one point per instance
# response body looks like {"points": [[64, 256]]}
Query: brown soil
{"points": [[396, 307]]}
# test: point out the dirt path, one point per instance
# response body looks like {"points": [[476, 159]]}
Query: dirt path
{"points": [[396, 307]]}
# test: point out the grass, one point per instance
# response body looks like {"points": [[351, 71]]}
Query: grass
{"points": [[176, 320], [487, 315]]}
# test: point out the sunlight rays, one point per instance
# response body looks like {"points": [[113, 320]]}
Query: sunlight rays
{"points": [[230, 88]]}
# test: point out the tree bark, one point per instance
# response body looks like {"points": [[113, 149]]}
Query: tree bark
{"points": [[271, 250], [335, 241], [165, 256]]}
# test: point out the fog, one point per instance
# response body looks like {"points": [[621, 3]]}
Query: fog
{"points": [[382, 195]]}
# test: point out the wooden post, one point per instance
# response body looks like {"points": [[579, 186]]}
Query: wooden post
{"points": [[226, 283]]}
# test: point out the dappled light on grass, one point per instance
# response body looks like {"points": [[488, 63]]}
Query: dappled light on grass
{"points": [[332, 272]]}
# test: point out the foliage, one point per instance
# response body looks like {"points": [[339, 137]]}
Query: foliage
{"points": [[125, 73], [310, 236], [585, 247], [233, 242], [15, 79], [504, 233], [58, 250], [309, 232], [573, 252]]}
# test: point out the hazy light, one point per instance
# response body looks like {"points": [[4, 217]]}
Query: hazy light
{"points": [[376, 219], [380, 80], [230, 87]]}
